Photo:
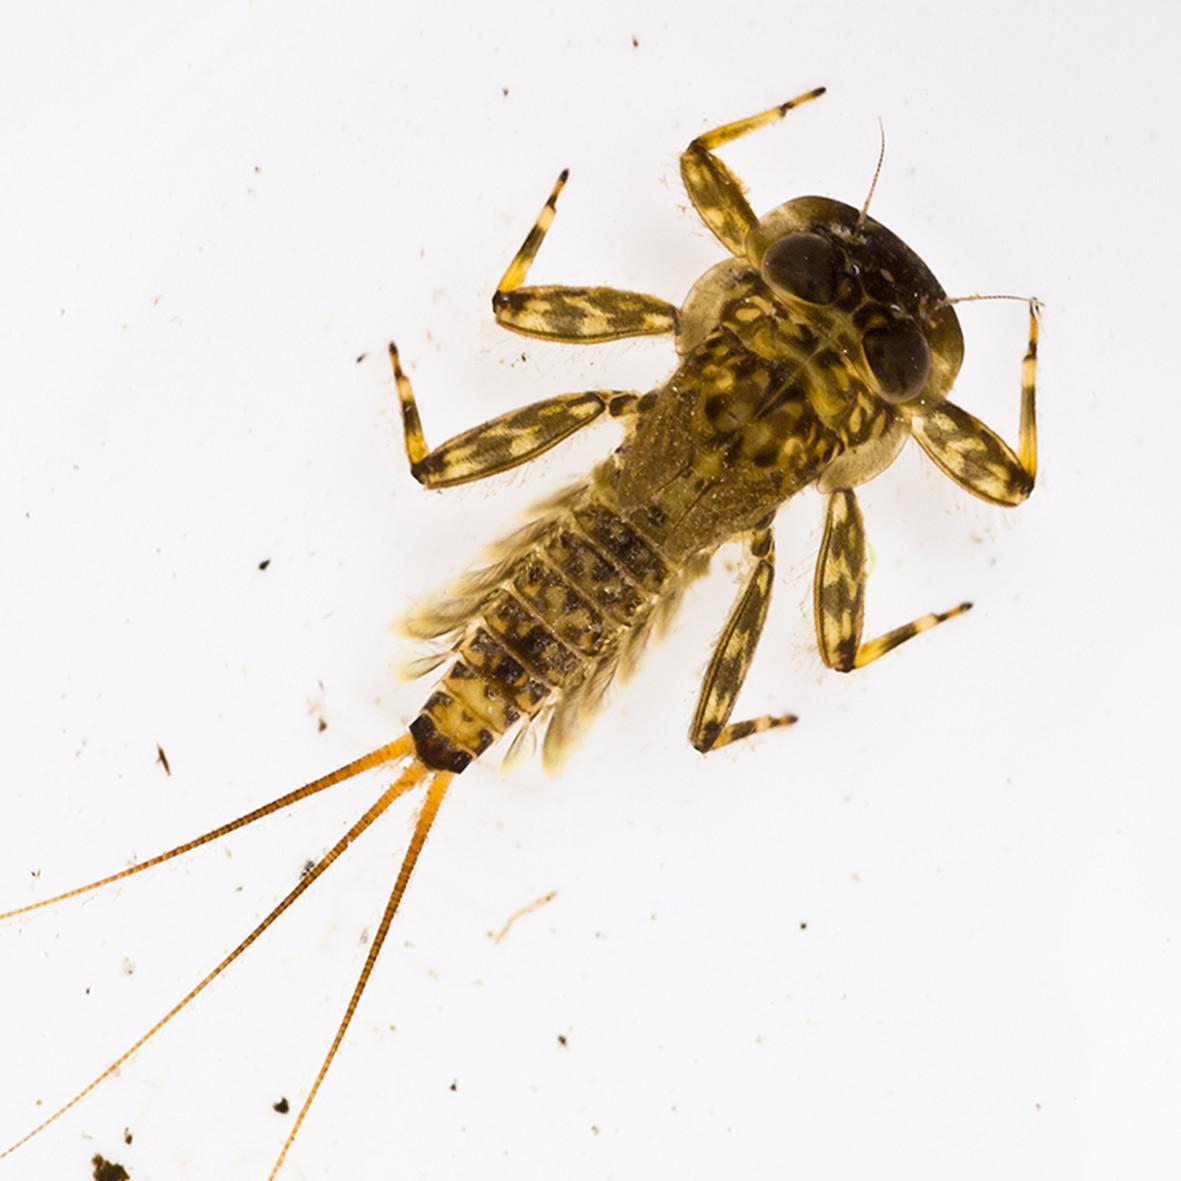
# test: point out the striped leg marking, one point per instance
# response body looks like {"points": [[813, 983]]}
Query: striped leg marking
{"points": [[576, 315], [840, 593], [732, 657], [715, 191], [975, 456], [505, 442]]}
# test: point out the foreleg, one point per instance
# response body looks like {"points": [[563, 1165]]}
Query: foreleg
{"points": [[975, 456]]}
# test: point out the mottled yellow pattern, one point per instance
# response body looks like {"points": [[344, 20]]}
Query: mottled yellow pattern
{"points": [[809, 357], [585, 314], [839, 593]]}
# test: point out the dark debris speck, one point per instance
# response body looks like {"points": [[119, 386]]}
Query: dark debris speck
{"points": [[106, 1170]]}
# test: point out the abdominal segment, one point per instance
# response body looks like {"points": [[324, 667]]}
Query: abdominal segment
{"points": [[545, 642]]}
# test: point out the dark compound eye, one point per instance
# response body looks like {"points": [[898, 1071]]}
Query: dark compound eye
{"points": [[900, 359], [804, 264]]}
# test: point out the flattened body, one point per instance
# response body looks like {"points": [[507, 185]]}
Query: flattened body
{"points": [[808, 357]]}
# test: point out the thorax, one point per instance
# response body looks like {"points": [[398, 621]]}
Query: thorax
{"points": [[761, 404]]}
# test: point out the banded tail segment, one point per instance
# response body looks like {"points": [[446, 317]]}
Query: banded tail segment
{"points": [[391, 752], [412, 773], [563, 613]]}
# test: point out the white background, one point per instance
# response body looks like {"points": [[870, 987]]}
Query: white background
{"points": [[932, 931]]}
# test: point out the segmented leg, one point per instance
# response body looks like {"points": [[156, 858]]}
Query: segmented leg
{"points": [[577, 315], [715, 191], [840, 593], [732, 656], [975, 456], [505, 442]]}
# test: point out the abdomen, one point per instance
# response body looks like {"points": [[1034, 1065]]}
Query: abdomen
{"points": [[545, 639]]}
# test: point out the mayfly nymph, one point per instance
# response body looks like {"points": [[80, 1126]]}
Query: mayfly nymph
{"points": [[806, 358]]}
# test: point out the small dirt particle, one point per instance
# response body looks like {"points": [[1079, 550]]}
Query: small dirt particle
{"points": [[106, 1170]]}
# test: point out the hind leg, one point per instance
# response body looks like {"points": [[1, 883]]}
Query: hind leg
{"points": [[732, 657]]}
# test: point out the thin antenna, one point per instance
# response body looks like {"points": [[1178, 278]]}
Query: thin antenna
{"points": [[873, 184], [1031, 300]]}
